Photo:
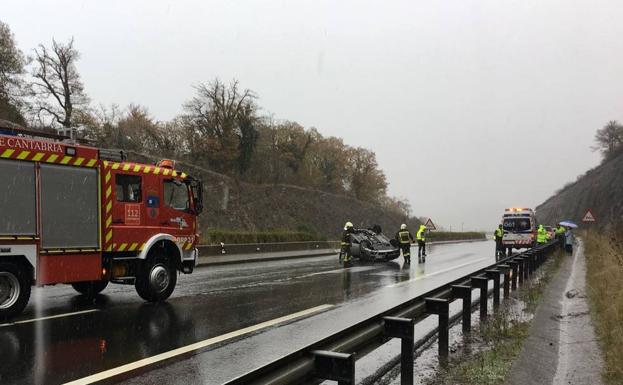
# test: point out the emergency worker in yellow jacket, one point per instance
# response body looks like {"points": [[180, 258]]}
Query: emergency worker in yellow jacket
{"points": [[498, 234], [421, 244], [404, 238], [541, 235]]}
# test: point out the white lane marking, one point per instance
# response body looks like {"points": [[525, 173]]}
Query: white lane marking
{"points": [[189, 348], [436, 273], [48, 317]]}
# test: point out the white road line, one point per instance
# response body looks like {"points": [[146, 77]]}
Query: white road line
{"points": [[49, 317], [436, 273], [189, 348]]}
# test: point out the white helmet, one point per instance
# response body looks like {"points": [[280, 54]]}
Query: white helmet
{"points": [[403, 227], [348, 225]]}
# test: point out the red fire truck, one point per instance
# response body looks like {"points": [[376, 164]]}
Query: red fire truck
{"points": [[84, 216]]}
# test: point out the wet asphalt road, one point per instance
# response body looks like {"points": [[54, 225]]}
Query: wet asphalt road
{"points": [[118, 328]]}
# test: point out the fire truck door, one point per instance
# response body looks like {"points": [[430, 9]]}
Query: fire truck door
{"points": [[176, 216], [128, 202]]}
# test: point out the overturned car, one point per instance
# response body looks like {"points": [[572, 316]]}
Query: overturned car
{"points": [[372, 245]]}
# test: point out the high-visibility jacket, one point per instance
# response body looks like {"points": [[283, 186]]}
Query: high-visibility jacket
{"points": [[499, 233], [560, 230], [541, 235], [420, 233], [404, 237]]}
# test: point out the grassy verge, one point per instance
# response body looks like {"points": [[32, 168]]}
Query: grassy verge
{"points": [[454, 235], [216, 236], [502, 338], [604, 278]]}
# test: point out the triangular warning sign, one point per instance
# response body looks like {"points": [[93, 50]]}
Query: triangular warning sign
{"points": [[588, 217], [430, 225]]}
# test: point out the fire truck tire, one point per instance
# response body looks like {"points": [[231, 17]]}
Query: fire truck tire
{"points": [[90, 288], [156, 277], [14, 289]]}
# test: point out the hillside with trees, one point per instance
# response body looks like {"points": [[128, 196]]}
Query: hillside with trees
{"points": [[272, 173], [599, 189]]}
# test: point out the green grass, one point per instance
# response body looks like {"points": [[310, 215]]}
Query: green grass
{"points": [[216, 236], [492, 366], [531, 295], [604, 262]]}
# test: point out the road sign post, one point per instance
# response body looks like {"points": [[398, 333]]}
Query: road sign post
{"points": [[588, 218]]}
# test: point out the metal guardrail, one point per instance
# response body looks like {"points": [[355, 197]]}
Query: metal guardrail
{"points": [[332, 358], [250, 248]]}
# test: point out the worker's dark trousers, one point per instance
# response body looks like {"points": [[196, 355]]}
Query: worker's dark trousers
{"points": [[345, 253], [421, 249], [406, 251], [499, 249]]}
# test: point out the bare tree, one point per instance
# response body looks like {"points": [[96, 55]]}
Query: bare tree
{"points": [[57, 88], [12, 62], [609, 139], [222, 122]]}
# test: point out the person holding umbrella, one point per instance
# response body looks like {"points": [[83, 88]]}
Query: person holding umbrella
{"points": [[569, 237], [560, 235]]}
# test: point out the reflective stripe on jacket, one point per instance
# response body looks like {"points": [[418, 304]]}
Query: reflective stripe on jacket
{"points": [[404, 237]]}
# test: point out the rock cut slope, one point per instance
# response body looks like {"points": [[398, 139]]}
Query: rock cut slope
{"points": [[600, 190]]}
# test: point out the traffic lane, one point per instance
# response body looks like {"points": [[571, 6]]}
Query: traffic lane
{"points": [[214, 302], [224, 363], [124, 333], [62, 299]]}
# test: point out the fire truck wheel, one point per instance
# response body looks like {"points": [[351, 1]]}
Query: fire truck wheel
{"points": [[14, 289], [156, 277], [89, 288]]}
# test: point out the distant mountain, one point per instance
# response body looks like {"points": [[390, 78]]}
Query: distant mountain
{"points": [[600, 190]]}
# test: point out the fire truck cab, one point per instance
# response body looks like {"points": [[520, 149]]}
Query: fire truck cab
{"points": [[84, 216]]}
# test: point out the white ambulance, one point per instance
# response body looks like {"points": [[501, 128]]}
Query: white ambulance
{"points": [[519, 228]]}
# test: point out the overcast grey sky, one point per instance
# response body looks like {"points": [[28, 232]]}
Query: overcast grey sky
{"points": [[470, 106]]}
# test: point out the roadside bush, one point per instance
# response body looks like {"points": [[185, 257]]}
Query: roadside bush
{"points": [[454, 236], [216, 236]]}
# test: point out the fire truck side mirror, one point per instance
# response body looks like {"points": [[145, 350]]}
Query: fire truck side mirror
{"points": [[197, 192]]}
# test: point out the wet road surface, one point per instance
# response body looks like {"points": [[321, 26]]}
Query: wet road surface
{"points": [[62, 336]]}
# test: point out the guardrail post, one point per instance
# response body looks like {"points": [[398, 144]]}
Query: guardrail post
{"points": [[514, 269], [532, 261], [402, 328], [334, 366], [465, 293], [527, 269], [506, 269], [495, 276], [521, 269], [442, 308], [482, 284]]}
